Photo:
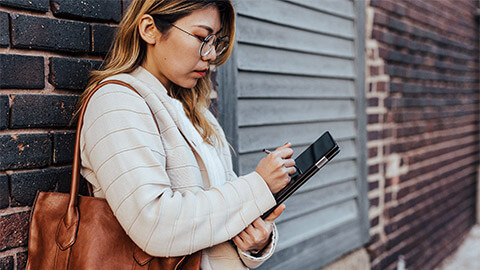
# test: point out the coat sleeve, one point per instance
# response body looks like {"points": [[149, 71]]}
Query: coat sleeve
{"points": [[122, 146], [251, 261]]}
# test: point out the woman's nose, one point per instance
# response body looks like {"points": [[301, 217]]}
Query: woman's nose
{"points": [[211, 56]]}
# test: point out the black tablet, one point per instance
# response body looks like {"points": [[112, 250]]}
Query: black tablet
{"points": [[308, 163]]}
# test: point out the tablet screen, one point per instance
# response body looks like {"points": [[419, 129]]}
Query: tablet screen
{"points": [[324, 149], [314, 153]]}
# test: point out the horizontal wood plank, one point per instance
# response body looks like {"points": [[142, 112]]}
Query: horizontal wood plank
{"points": [[305, 202], [251, 84], [333, 173], [264, 111], [263, 59], [325, 247], [338, 7], [297, 230], [270, 137], [253, 31], [297, 16]]}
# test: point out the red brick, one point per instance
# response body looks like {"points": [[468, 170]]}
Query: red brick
{"points": [[374, 70], [4, 30], [42, 110], [37, 5], [373, 169], [102, 38], [70, 73], [381, 86], [21, 71], [22, 260], [372, 152], [25, 184], [7, 263], [103, 10], [388, 197], [374, 238], [4, 191], [373, 135], [31, 32], [373, 102], [25, 150], [373, 119], [372, 185], [14, 230], [374, 202], [380, 19]]}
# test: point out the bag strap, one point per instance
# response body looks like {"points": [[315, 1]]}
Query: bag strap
{"points": [[68, 226]]}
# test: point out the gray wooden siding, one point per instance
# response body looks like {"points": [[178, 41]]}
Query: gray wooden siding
{"points": [[295, 73]]}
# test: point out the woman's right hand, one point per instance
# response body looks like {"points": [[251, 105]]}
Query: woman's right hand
{"points": [[277, 167]]}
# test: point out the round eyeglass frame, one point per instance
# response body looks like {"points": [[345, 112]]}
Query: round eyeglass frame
{"points": [[214, 44], [206, 41]]}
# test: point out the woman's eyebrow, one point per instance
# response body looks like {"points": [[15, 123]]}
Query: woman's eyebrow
{"points": [[208, 28]]}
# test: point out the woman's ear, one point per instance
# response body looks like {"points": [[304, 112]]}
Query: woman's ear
{"points": [[147, 29]]}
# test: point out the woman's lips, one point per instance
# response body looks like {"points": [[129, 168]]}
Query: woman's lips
{"points": [[201, 72]]}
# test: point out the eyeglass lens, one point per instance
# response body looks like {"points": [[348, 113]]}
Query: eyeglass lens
{"points": [[220, 44]]}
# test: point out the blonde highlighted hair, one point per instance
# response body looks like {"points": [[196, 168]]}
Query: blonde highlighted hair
{"points": [[128, 52]]}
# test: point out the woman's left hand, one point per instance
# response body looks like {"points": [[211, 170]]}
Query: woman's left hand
{"points": [[257, 235]]}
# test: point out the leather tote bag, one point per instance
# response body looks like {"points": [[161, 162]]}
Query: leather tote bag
{"points": [[68, 231]]}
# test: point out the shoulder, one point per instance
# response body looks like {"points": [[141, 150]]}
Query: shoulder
{"points": [[117, 103], [115, 96]]}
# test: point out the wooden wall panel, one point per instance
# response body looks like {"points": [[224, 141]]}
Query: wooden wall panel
{"points": [[296, 72]]}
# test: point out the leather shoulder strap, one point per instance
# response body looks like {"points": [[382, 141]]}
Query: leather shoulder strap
{"points": [[71, 215]]}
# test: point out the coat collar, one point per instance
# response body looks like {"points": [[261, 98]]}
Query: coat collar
{"points": [[160, 91], [149, 80]]}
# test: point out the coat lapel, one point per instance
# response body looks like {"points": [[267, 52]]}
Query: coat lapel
{"points": [[160, 92]]}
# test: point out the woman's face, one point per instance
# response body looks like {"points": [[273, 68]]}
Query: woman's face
{"points": [[175, 58]]}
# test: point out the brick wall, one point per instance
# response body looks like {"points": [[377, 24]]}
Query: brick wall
{"points": [[423, 138], [46, 51], [47, 48]]}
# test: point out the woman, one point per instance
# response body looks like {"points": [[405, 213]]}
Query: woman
{"points": [[171, 186]]}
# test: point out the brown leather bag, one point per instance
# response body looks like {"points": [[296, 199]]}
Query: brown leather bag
{"points": [[68, 231]]}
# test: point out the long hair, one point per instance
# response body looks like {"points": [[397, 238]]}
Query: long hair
{"points": [[128, 52]]}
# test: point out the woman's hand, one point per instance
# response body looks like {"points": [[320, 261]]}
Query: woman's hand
{"points": [[256, 236], [277, 167]]}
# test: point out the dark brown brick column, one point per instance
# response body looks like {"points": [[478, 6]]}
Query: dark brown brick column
{"points": [[423, 131], [47, 49]]}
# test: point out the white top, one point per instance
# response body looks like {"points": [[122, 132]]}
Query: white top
{"points": [[215, 169]]}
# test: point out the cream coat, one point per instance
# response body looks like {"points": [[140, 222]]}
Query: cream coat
{"points": [[156, 182]]}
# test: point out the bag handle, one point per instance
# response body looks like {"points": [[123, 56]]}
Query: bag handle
{"points": [[68, 226]]}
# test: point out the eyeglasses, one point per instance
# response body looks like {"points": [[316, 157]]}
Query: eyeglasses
{"points": [[209, 43]]}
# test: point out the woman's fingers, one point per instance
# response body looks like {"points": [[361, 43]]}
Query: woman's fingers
{"points": [[286, 145], [277, 167], [276, 213], [255, 236], [289, 162], [291, 170], [239, 243], [283, 152], [262, 229], [250, 230]]}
